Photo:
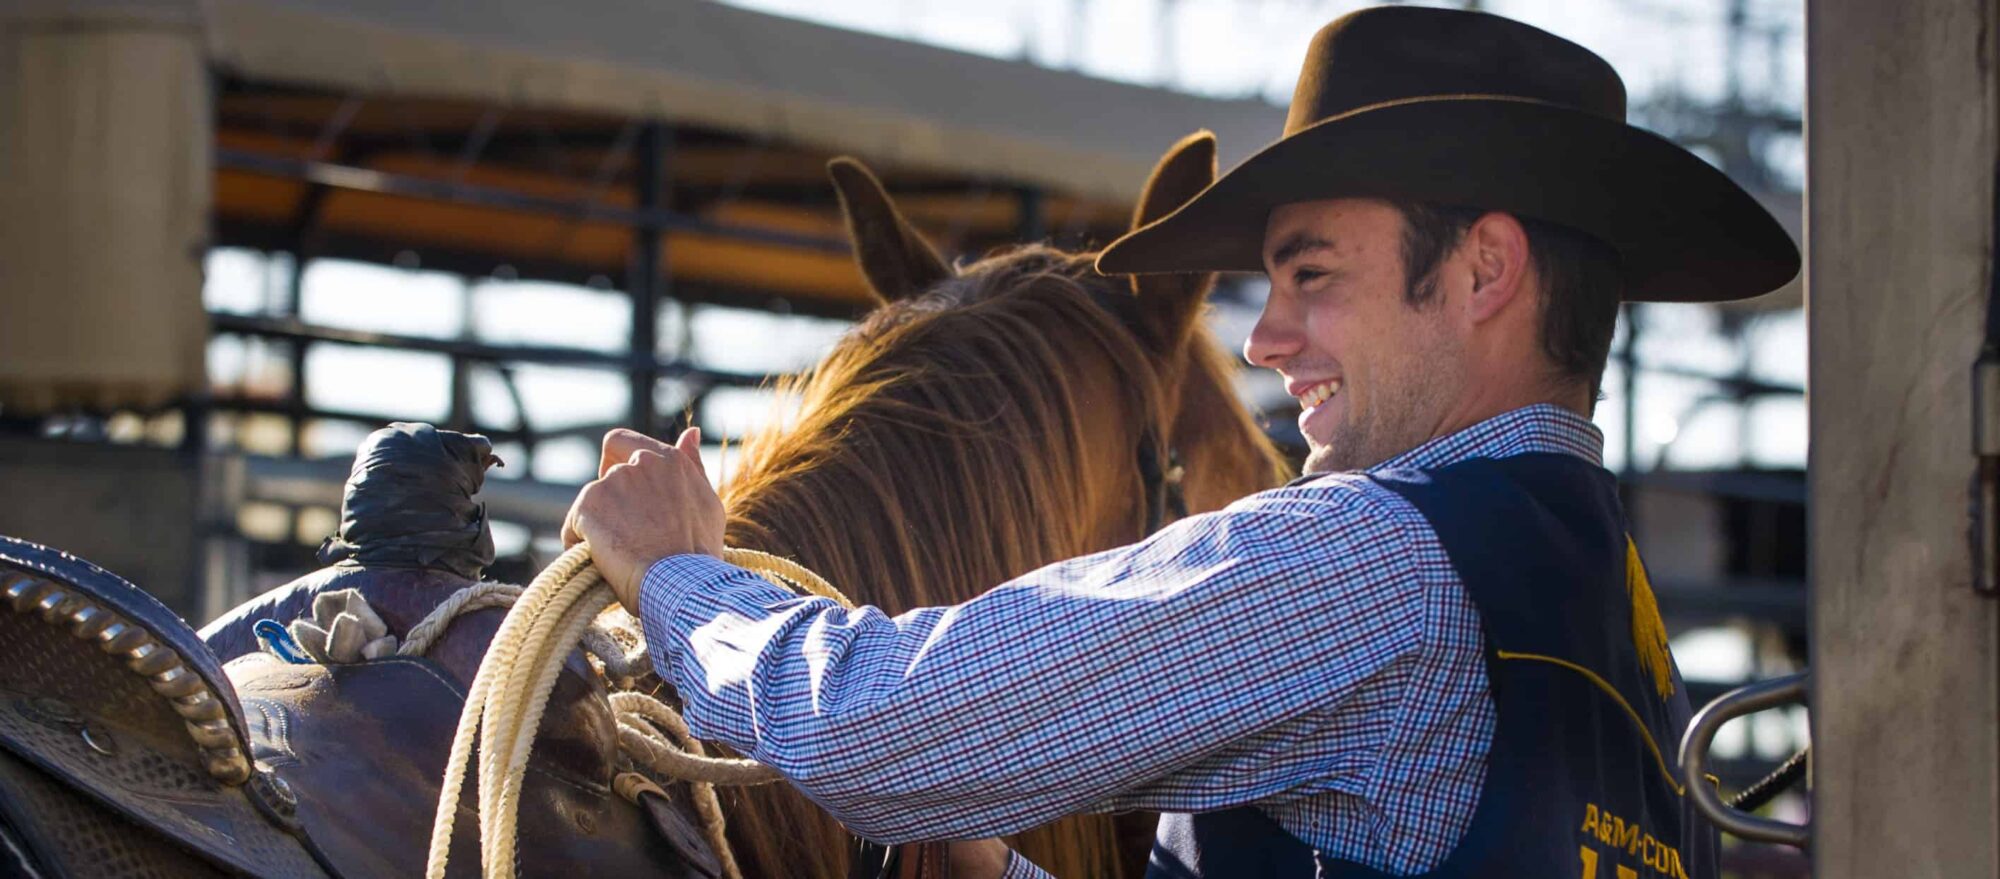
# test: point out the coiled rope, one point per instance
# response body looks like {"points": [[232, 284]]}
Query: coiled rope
{"points": [[511, 691]]}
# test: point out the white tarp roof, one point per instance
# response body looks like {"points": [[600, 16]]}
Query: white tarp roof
{"points": [[733, 69]]}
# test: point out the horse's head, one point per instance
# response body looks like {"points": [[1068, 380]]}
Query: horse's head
{"points": [[1043, 408]]}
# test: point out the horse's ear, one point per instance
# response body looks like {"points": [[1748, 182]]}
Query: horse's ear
{"points": [[1170, 303], [894, 257]]}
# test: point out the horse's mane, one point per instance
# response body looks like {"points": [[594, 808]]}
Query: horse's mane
{"points": [[955, 388], [936, 453]]}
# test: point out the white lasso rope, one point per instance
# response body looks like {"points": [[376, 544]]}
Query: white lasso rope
{"points": [[511, 691]]}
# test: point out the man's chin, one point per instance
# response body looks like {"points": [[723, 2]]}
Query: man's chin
{"points": [[1320, 459], [1341, 454]]}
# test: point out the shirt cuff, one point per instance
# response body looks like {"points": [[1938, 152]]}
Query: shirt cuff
{"points": [[1019, 867]]}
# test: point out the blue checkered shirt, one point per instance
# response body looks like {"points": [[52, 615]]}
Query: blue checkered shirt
{"points": [[1308, 649]]}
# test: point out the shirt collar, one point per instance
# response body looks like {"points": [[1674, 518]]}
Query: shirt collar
{"points": [[1543, 427]]}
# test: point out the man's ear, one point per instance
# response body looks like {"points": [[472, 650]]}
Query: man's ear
{"points": [[1496, 247], [894, 257], [1170, 304]]}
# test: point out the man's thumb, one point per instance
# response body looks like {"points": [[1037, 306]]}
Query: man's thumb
{"points": [[690, 445]]}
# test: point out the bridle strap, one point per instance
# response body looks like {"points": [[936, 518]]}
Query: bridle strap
{"points": [[1162, 480]]}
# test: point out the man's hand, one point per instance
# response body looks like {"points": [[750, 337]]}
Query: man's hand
{"points": [[651, 500]]}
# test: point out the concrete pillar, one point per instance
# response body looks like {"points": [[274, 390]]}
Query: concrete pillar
{"points": [[1901, 151], [106, 132]]}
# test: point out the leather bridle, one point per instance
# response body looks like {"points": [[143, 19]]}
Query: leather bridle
{"points": [[1163, 484]]}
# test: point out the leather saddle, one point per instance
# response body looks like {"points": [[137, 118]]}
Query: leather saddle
{"points": [[130, 745]]}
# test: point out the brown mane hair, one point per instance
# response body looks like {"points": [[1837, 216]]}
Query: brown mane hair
{"points": [[905, 467], [937, 453]]}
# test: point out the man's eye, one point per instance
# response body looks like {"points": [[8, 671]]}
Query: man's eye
{"points": [[1305, 276]]}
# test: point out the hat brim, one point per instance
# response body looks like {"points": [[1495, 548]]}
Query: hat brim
{"points": [[1683, 230]]}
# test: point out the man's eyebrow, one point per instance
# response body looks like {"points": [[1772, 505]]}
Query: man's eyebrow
{"points": [[1299, 244]]}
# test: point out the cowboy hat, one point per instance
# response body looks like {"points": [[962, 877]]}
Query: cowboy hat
{"points": [[1474, 110]]}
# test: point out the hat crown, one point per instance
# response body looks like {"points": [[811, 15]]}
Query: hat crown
{"points": [[1397, 53]]}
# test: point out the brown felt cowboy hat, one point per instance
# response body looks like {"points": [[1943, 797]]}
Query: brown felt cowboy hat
{"points": [[1475, 110]]}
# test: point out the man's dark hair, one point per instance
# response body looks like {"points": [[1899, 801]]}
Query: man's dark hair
{"points": [[1580, 279]]}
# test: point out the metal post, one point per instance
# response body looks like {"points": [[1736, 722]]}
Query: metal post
{"points": [[697, 386], [295, 394], [461, 367], [1032, 222], [644, 274]]}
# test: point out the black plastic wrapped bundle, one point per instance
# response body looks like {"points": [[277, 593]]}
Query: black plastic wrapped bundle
{"points": [[409, 502]]}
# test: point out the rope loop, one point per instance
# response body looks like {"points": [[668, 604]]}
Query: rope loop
{"points": [[511, 691]]}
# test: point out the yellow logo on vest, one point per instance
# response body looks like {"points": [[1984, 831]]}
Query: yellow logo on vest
{"points": [[1649, 634], [1619, 835]]}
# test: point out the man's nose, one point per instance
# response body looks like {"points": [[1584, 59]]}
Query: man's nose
{"points": [[1276, 338]]}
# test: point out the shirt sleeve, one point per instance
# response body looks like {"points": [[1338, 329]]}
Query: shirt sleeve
{"points": [[1019, 867], [1219, 662]]}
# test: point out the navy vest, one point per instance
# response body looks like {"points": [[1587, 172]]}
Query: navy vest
{"points": [[1582, 778]]}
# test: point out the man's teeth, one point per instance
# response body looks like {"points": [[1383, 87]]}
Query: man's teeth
{"points": [[1319, 393]]}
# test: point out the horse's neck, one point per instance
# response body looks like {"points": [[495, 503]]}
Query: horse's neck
{"points": [[916, 561]]}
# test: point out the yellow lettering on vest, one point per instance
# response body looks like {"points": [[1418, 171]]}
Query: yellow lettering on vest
{"points": [[1616, 833]]}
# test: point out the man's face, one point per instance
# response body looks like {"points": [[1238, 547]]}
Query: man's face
{"points": [[1373, 374]]}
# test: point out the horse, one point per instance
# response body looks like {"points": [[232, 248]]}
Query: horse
{"points": [[984, 420]]}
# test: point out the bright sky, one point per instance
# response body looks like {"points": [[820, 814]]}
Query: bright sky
{"points": [[1234, 48]]}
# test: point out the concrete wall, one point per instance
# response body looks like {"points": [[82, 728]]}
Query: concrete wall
{"points": [[1901, 152], [130, 510]]}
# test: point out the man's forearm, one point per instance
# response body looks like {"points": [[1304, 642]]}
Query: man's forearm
{"points": [[1069, 689], [856, 708]]}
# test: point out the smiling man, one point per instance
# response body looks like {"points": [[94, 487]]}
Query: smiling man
{"points": [[1496, 313], [1436, 654]]}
